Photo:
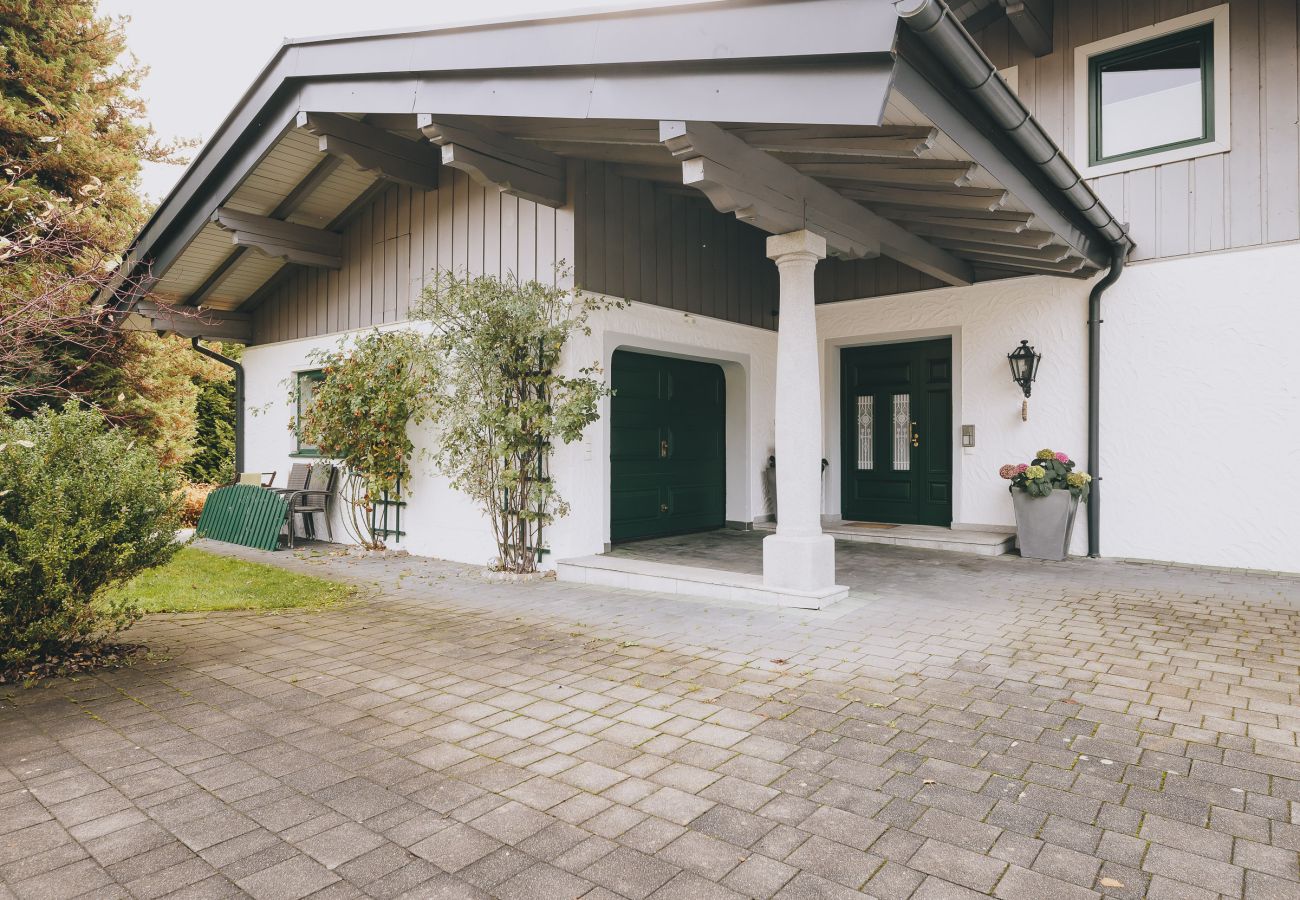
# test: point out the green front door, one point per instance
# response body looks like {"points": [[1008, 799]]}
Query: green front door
{"points": [[667, 446], [897, 433]]}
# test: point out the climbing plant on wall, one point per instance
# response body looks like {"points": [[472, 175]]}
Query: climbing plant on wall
{"points": [[501, 399], [372, 388]]}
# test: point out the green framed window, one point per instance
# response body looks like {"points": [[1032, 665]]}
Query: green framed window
{"points": [[1151, 97], [307, 382]]}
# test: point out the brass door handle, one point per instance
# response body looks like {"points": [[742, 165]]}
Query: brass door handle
{"points": [[663, 450], [916, 438], [663, 507]]}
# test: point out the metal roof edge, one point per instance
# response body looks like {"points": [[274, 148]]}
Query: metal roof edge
{"points": [[933, 22]]}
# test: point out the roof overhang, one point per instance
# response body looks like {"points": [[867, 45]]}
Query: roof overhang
{"points": [[813, 64]]}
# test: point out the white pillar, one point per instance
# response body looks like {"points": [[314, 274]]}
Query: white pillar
{"points": [[798, 556]]}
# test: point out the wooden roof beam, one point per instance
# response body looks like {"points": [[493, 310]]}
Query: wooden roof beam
{"points": [[1032, 20], [976, 199], [973, 234], [1052, 253], [286, 207], [775, 197], [501, 162], [1001, 221], [209, 324], [292, 243], [891, 172], [1068, 266], [902, 141], [373, 149]]}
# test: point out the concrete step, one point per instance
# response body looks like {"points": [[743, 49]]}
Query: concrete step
{"points": [[628, 573], [924, 537]]}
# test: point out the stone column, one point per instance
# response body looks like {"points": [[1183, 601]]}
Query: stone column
{"points": [[798, 556]]}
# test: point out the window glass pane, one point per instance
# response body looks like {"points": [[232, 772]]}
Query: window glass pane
{"points": [[902, 432], [1153, 99], [866, 433], [307, 382]]}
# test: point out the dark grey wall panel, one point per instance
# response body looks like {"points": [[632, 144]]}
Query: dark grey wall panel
{"points": [[654, 244]]}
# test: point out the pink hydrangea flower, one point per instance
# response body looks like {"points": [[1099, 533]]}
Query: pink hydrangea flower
{"points": [[1021, 468], [1008, 471], [1062, 458]]}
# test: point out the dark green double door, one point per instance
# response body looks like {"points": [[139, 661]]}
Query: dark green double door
{"points": [[897, 433], [667, 446]]}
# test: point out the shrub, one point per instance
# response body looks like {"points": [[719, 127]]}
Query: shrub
{"points": [[82, 508], [373, 388], [193, 495]]}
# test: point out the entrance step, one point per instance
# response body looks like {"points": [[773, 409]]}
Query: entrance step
{"points": [[923, 537], [690, 581]]}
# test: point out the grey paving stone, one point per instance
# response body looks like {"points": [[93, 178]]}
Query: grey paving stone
{"points": [[952, 863], [289, 880], [925, 738], [630, 874]]}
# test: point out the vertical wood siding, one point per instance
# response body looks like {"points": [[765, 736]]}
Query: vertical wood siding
{"points": [[394, 246], [1242, 198], [642, 241]]}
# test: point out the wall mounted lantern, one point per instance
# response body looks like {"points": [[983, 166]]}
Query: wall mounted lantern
{"points": [[1024, 370]]}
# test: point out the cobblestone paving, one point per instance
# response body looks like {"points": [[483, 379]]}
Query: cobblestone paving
{"points": [[959, 727]]}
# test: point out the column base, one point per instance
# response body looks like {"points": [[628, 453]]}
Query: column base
{"points": [[799, 563]]}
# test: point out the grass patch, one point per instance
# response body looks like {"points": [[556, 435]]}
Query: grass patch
{"points": [[195, 581]]}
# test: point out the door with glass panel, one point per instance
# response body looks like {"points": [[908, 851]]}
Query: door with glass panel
{"points": [[897, 433]]}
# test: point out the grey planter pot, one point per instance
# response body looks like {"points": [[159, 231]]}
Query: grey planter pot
{"points": [[1044, 524]]}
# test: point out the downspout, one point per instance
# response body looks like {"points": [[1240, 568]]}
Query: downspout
{"points": [[239, 398], [1118, 253], [943, 35]]}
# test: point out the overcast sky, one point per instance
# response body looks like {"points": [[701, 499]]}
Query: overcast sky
{"points": [[202, 56]]}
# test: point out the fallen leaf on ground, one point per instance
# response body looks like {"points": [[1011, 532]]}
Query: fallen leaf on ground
{"points": [[1111, 882]]}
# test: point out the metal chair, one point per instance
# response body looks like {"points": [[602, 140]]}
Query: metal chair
{"points": [[312, 502], [257, 479], [298, 473]]}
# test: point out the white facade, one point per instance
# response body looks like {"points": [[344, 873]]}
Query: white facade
{"points": [[1200, 407]]}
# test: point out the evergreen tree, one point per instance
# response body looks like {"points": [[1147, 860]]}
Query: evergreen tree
{"points": [[213, 461], [71, 123], [72, 137]]}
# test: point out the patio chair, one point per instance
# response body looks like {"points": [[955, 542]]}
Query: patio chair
{"points": [[257, 479], [311, 505], [298, 473]]}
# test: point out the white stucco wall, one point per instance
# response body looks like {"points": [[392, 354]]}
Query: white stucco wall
{"points": [[1201, 407], [442, 522], [1200, 398]]}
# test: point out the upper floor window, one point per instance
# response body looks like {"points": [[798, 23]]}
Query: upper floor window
{"points": [[1154, 95]]}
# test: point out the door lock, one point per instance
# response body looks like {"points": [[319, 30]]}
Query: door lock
{"points": [[663, 451], [916, 438], [663, 507]]}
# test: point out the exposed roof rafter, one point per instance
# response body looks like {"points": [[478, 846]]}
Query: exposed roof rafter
{"points": [[497, 161], [1032, 20], [775, 197], [298, 244], [372, 149]]}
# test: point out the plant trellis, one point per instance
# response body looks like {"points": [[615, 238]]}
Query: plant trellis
{"points": [[244, 514]]}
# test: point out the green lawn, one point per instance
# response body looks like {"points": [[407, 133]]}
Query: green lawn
{"points": [[195, 581]]}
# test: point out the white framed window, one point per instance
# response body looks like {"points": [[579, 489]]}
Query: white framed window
{"points": [[1154, 95]]}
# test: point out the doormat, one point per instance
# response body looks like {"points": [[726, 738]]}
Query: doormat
{"points": [[879, 525]]}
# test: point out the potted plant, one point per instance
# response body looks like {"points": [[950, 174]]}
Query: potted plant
{"points": [[1046, 494]]}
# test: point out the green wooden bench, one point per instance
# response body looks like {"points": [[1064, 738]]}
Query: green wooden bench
{"points": [[244, 514]]}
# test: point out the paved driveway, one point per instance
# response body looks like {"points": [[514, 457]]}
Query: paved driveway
{"points": [[958, 727]]}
